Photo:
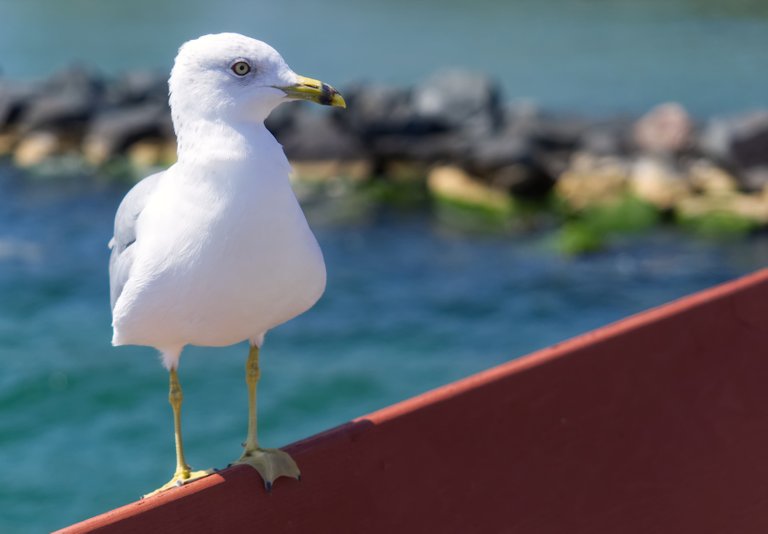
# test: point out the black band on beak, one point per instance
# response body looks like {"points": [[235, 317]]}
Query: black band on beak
{"points": [[327, 95]]}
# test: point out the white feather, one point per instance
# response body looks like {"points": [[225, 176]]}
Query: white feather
{"points": [[222, 250]]}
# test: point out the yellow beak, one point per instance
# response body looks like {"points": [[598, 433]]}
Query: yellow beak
{"points": [[314, 91]]}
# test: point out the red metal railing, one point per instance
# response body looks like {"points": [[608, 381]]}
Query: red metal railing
{"points": [[657, 423]]}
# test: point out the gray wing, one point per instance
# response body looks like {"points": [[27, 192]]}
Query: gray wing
{"points": [[125, 234]]}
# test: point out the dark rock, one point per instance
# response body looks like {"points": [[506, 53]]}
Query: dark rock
{"points": [[520, 112], [607, 138], [66, 111], [137, 87], [433, 148], [316, 136], [113, 131], [283, 118], [65, 103], [75, 79], [373, 111], [755, 179], [458, 99], [490, 153], [15, 98], [559, 132], [550, 131], [553, 162], [740, 141], [510, 162], [522, 180], [549, 139]]}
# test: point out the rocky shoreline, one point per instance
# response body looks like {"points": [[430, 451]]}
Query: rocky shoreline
{"points": [[453, 134]]}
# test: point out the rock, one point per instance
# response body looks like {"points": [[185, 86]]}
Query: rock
{"points": [[522, 180], [658, 183], [752, 208], [405, 171], [508, 162], [75, 79], [593, 181], [607, 138], [488, 153], [666, 129], [546, 141], [711, 179], [316, 137], [374, 110], [553, 163], [559, 132], [454, 185], [65, 103], [15, 98], [151, 153], [433, 148], [741, 140], [7, 143], [137, 87], [458, 99], [144, 154], [283, 117], [35, 148], [322, 171], [112, 132], [755, 178], [67, 112]]}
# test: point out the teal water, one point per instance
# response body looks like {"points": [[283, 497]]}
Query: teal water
{"points": [[411, 304], [578, 55]]}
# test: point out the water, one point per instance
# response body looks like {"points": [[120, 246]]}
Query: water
{"points": [[578, 55], [410, 305]]}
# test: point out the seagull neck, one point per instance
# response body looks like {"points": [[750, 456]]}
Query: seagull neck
{"points": [[211, 140]]}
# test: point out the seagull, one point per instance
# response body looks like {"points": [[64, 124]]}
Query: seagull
{"points": [[216, 250]]}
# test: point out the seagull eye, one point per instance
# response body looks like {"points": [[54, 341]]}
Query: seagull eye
{"points": [[241, 68]]}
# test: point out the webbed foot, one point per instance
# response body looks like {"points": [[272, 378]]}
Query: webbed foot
{"points": [[271, 464]]}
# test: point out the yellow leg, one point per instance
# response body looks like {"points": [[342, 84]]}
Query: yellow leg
{"points": [[183, 473], [270, 463]]}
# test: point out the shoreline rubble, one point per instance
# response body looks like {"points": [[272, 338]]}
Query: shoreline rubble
{"points": [[452, 134]]}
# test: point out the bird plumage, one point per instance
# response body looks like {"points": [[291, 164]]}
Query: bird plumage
{"points": [[216, 249], [121, 258]]}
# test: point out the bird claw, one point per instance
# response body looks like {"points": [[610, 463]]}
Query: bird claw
{"points": [[179, 479], [271, 464]]}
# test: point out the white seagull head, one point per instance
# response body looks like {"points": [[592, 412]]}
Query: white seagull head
{"points": [[230, 77]]}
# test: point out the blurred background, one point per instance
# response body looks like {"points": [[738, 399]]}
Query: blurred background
{"points": [[444, 257]]}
